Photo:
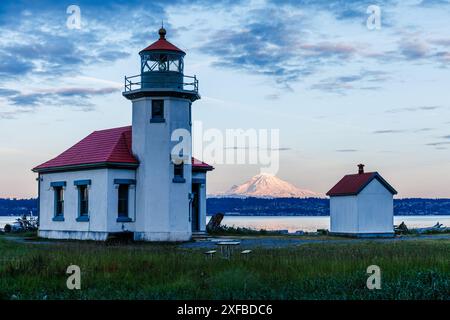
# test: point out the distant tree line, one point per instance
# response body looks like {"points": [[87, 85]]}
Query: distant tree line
{"points": [[17, 207], [271, 207], [315, 206]]}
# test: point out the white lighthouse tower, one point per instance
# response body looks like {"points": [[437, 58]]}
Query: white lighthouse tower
{"points": [[162, 96]]}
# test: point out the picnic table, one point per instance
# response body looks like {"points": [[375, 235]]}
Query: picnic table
{"points": [[227, 247]]}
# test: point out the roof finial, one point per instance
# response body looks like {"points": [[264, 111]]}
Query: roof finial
{"points": [[162, 31]]}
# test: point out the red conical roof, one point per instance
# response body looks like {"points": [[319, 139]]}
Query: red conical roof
{"points": [[162, 44]]}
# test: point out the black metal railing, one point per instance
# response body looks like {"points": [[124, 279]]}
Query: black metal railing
{"points": [[189, 83]]}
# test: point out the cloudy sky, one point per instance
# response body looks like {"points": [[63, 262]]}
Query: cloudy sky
{"points": [[339, 93]]}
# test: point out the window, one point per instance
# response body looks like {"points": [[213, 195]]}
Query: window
{"points": [[123, 201], [157, 111], [123, 196], [83, 205], [83, 199], [59, 201], [58, 191], [178, 172], [163, 63]]}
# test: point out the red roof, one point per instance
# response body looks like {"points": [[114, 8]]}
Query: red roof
{"points": [[162, 44], [352, 184], [111, 146], [200, 165]]}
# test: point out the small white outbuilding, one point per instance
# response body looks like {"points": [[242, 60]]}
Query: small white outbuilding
{"points": [[361, 205]]}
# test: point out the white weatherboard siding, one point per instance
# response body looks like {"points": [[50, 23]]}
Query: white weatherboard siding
{"points": [[369, 212], [162, 205], [344, 214], [375, 208], [103, 202], [70, 228]]}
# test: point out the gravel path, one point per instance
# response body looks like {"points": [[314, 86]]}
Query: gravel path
{"points": [[272, 242], [262, 242]]}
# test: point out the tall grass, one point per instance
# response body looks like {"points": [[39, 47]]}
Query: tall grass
{"points": [[410, 270]]}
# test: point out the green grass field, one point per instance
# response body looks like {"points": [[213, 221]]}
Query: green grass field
{"points": [[416, 269]]}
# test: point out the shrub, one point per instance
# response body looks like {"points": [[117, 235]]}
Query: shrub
{"points": [[241, 231], [7, 228]]}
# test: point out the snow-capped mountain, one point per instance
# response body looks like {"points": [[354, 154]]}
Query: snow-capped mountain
{"points": [[268, 186]]}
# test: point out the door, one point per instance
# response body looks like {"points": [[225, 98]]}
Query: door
{"points": [[196, 207]]}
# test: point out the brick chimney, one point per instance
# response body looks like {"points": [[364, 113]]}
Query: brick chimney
{"points": [[360, 168]]}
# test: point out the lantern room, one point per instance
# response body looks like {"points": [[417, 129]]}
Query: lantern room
{"points": [[162, 64], [161, 70]]}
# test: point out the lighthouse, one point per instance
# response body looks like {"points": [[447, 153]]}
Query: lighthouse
{"points": [[161, 100], [139, 179]]}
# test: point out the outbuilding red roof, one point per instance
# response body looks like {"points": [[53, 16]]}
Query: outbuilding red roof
{"points": [[352, 184], [102, 148]]}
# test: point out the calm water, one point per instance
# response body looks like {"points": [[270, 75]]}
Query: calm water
{"points": [[301, 223], [293, 224], [4, 220]]}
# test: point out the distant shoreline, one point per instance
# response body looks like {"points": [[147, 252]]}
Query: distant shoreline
{"points": [[294, 207], [316, 206]]}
